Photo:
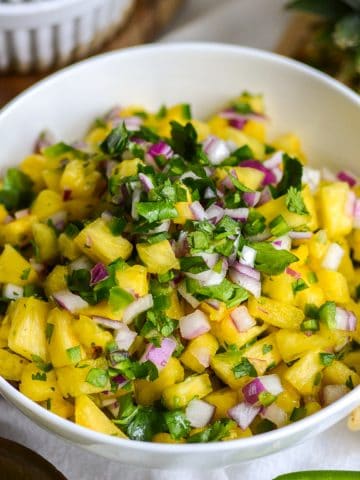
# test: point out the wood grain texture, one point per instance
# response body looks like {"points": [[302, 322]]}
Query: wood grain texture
{"points": [[146, 22]]}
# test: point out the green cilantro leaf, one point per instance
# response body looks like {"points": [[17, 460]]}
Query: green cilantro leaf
{"points": [[116, 142], [292, 169], [271, 261], [177, 423], [97, 377], [16, 192], [184, 140], [244, 369], [327, 358], [213, 433], [295, 203]]}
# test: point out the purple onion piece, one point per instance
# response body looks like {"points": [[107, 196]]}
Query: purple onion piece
{"points": [[98, 273]]}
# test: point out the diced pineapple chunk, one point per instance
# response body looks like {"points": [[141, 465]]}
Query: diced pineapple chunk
{"points": [[33, 166], [127, 168], [214, 314], [68, 247], [180, 394], [166, 438], [334, 286], [90, 334], [293, 344], [56, 280], [304, 374], [222, 400], [17, 232], [37, 384], [80, 178], [80, 208], [147, 392], [184, 213], [276, 313], [175, 311], [72, 379], [158, 257], [64, 347], [279, 287], [46, 241], [198, 352], [223, 364], [60, 406], [11, 365], [97, 241], [289, 143], [27, 330], [46, 204], [88, 415], [14, 268], [227, 333], [340, 374], [134, 279], [264, 354], [332, 202]]}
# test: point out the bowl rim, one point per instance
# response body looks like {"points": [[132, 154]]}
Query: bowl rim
{"points": [[90, 436]]}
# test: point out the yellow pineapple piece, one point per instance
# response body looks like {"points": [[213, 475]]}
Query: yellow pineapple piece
{"points": [[304, 375], [17, 232], [275, 313], [222, 400], [46, 204], [97, 241], [27, 330], [90, 334], [340, 374], [334, 286], [293, 344], [76, 380], [46, 241], [332, 202], [37, 384], [56, 280], [33, 166], [68, 247], [180, 394], [88, 415], [198, 352], [14, 268], [58, 405], [158, 257], [11, 365], [227, 333], [133, 279]]}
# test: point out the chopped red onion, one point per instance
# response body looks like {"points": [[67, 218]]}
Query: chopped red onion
{"points": [[230, 114], [333, 257], [210, 277], [209, 193], [68, 300], [124, 337], [345, 320], [182, 246], [240, 214], [215, 213], [58, 219], [120, 380], [311, 177], [217, 150], [250, 272], [250, 284], [12, 291], [274, 161], [131, 123], [146, 182], [106, 322], [247, 256], [300, 235], [348, 177], [138, 306], [191, 300], [198, 211], [161, 355], [265, 196], [293, 273], [199, 413], [266, 383], [350, 204], [278, 174], [66, 194], [251, 198], [163, 227], [106, 215], [275, 414], [194, 325], [210, 259], [243, 321], [161, 148], [98, 273], [135, 200], [38, 267], [243, 413], [260, 236], [269, 176], [22, 213], [81, 263], [332, 393], [282, 243]]}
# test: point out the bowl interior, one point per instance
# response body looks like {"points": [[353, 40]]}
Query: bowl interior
{"points": [[323, 113]]}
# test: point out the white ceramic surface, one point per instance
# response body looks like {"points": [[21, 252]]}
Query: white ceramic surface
{"points": [[38, 35], [324, 113]]}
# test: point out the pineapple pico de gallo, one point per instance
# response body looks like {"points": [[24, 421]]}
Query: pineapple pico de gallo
{"points": [[172, 280]]}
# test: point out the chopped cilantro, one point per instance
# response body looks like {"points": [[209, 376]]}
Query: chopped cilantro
{"points": [[16, 192], [244, 369], [327, 358], [145, 424], [298, 413], [42, 377], [294, 202], [298, 285], [278, 226], [119, 299], [98, 377], [349, 382], [310, 325], [117, 225], [266, 348], [255, 223], [193, 264], [269, 260], [116, 142], [41, 365], [177, 423], [327, 314], [74, 354], [25, 273], [317, 379], [156, 211], [292, 169], [49, 331], [213, 433], [184, 140]]}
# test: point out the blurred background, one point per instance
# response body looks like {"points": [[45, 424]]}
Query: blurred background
{"points": [[40, 36]]}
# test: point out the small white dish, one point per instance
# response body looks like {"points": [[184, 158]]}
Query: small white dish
{"points": [[324, 113], [39, 35]]}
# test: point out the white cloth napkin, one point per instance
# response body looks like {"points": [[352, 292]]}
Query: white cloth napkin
{"points": [[256, 23]]}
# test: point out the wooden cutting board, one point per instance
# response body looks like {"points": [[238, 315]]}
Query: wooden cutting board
{"points": [[146, 22]]}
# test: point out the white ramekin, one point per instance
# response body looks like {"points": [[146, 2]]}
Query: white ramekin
{"points": [[36, 36]]}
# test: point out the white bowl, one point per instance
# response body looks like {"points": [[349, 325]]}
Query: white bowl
{"points": [[38, 35], [324, 113]]}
